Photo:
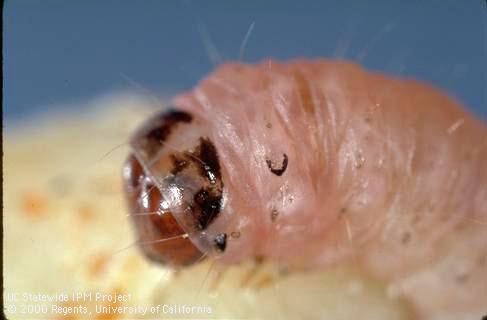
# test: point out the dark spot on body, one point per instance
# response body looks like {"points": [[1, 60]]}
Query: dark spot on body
{"points": [[278, 171], [274, 215], [342, 212], [268, 125], [235, 234], [359, 160], [221, 242]]}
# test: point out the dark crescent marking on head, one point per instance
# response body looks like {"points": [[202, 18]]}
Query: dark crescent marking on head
{"points": [[210, 165], [164, 123], [279, 171], [207, 201], [154, 132]]}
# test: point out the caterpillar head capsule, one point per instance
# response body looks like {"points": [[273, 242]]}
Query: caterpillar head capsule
{"points": [[174, 188]]}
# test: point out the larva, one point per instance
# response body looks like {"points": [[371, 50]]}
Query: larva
{"points": [[312, 163]]}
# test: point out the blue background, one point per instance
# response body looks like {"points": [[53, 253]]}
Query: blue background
{"points": [[63, 52]]}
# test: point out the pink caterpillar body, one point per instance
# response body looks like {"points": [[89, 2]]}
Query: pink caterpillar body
{"points": [[314, 163]]}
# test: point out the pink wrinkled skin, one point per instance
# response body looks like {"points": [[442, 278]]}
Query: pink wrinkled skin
{"points": [[386, 174]]}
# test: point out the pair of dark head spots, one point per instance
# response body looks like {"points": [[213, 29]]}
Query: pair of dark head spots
{"points": [[202, 160]]}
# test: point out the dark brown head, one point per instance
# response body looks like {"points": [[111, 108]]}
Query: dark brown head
{"points": [[174, 188]]}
